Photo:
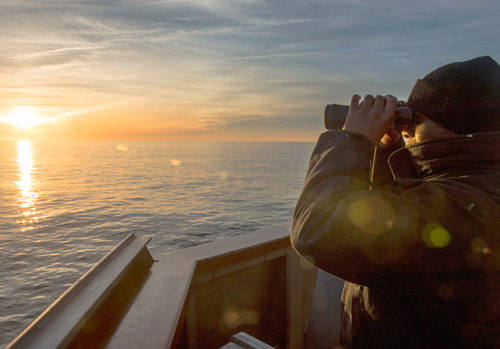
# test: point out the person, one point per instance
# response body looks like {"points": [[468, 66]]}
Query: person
{"points": [[416, 235]]}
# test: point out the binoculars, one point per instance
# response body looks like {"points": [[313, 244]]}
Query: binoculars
{"points": [[335, 115]]}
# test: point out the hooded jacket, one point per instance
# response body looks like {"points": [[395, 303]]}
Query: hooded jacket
{"points": [[416, 238]]}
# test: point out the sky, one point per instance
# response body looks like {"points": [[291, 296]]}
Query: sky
{"points": [[219, 70]]}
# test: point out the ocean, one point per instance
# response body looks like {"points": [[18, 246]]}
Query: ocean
{"points": [[64, 205]]}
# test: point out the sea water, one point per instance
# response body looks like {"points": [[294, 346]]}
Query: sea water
{"points": [[64, 205]]}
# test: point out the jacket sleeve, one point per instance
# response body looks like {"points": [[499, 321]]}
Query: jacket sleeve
{"points": [[404, 238]]}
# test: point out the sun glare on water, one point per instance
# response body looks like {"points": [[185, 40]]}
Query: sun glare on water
{"points": [[24, 118]]}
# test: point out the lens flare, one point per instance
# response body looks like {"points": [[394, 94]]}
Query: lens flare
{"points": [[360, 213], [434, 235], [234, 318], [222, 175]]}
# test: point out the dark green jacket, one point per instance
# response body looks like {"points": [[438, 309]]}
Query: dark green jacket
{"points": [[419, 246]]}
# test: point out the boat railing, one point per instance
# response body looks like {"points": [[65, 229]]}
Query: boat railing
{"points": [[191, 298]]}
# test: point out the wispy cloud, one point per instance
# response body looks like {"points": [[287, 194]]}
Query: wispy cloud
{"points": [[225, 67], [56, 51]]}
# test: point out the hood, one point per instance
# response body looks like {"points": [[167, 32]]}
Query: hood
{"points": [[470, 152]]}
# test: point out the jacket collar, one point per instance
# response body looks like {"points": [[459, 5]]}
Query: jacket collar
{"points": [[468, 152]]}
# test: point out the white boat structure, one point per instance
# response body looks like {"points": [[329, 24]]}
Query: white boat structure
{"points": [[199, 297]]}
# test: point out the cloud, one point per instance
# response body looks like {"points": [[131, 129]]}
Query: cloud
{"points": [[230, 65]]}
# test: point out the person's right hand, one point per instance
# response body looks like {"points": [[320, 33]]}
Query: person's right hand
{"points": [[393, 135]]}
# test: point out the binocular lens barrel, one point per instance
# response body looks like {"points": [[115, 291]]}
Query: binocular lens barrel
{"points": [[335, 115]]}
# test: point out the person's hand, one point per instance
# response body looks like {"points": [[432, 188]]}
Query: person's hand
{"points": [[372, 118], [393, 135]]}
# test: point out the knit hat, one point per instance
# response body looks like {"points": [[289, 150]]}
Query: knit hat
{"points": [[463, 97]]}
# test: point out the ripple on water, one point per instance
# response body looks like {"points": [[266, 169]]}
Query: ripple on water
{"points": [[91, 196]]}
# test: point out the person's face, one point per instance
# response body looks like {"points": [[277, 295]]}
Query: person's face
{"points": [[425, 129]]}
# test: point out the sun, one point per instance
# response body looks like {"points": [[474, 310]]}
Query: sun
{"points": [[24, 118]]}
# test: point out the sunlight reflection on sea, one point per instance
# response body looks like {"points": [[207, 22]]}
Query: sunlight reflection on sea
{"points": [[65, 205]]}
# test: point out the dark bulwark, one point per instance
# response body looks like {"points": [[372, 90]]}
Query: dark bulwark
{"points": [[193, 298]]}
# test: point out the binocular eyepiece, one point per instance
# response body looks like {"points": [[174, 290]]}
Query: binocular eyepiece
{"points": [[335, 115]]}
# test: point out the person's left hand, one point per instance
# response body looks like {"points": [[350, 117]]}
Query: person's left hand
{"points": [[372, 118]]}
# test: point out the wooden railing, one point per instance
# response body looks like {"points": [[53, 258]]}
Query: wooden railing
{"points": [[192, 298]]}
